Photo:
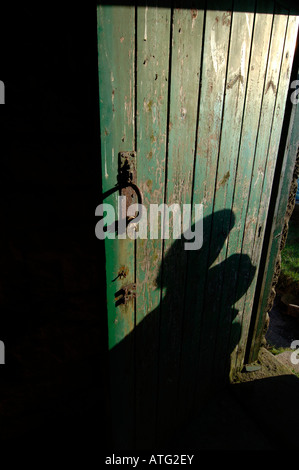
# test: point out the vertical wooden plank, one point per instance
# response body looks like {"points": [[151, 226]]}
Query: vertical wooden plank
{"points": [[286, 177], [261, 150], [189, 331], [153, 35], [185, 69], [261, 146], [215, 55], [260, 163], [116, 57], [217, 284], [280, 90], [255, 85]]}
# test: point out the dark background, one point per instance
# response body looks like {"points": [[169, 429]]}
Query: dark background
{"points": [[52, 291]]}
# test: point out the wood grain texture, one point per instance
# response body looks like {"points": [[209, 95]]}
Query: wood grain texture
{"points": [[278, 116], [276, 87], [260, 162], [153, 49], [286, 177], [214, 69], [220, 287], [185, 70], [251, 117], [116, 36]]}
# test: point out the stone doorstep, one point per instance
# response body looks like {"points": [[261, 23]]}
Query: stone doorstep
{"points": [[286, 359], [271, 366]]}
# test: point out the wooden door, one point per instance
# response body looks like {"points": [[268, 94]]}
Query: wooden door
{"points": [[199, 95]]}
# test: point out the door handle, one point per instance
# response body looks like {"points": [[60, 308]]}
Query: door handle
{"points": [[127, 184], [127, 181]]}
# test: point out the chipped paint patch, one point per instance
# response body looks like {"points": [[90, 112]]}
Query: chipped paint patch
{"points": [[271, 85], [149, 185], [145, 24], [224, 180]]}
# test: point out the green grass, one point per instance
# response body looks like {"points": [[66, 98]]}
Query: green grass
{"points": [[289, 276], [275, 351]]}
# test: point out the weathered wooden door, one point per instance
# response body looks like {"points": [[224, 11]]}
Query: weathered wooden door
{"points": [[199, 94]]}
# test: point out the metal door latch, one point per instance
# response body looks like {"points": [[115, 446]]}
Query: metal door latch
{"points": [[127, 182], [127, 176]]}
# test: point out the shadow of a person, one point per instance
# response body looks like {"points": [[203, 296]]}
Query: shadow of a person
{"points": [[183, 346]]}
